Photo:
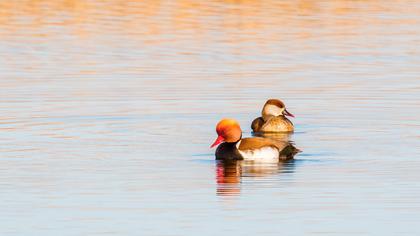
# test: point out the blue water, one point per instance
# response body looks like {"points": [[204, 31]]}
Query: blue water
{"points": [[108, 109]]}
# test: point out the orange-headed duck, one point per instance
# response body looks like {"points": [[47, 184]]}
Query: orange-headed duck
{"points": [[234, 147], [273, 118]]}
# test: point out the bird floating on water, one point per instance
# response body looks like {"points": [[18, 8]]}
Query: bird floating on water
{"points": [[273, 118], [233, 147]]}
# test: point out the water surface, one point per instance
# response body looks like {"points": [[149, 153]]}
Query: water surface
{"points": [[108, 108]]}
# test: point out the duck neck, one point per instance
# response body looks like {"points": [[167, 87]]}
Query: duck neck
{"points": [[234, 144]]}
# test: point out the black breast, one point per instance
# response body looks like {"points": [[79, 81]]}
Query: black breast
{"points": [[228, 151]]}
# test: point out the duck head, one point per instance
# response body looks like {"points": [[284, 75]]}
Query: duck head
{"points": [[275, 107], [228, 130]]}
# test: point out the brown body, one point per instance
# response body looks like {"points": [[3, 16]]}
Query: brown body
{"points": [[272, 124], [233, 151], [273, 118]]}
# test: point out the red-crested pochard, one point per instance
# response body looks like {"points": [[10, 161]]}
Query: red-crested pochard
{"points": [[234, 147], [273, 118]]}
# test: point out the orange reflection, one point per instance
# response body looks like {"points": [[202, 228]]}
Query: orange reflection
{"points": [[229, 174], [140, 18]]}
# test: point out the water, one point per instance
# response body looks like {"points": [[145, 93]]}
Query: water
{"points": [[108, 109]]}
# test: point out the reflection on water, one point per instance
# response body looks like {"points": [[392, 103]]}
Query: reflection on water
{"points": [[228, 176], [104, 105], [230, 173]]}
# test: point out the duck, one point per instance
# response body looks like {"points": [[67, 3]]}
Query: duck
{"points": [[273, 118], [232, 147]]}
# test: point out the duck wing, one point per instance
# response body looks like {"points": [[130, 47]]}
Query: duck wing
{"points": [[277, 124], [258, 142], [286, 150]]}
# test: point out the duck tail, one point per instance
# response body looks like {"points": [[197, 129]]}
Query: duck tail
{"points": [[289, 151]]}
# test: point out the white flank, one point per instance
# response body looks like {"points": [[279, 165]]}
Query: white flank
{"points": [[261, 154]]}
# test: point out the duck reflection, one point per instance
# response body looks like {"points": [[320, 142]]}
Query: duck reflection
{"points": [[229, 174], [228, 177]]}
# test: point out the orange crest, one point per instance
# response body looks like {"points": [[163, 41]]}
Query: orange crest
{"points": [[226, 124], [228, 130]]}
